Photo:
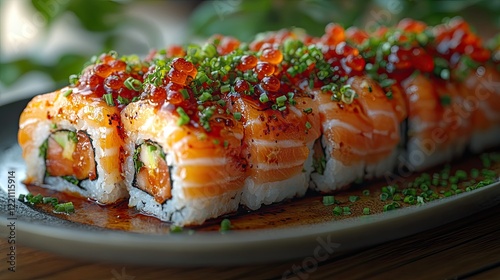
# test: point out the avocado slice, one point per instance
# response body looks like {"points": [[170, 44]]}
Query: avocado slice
{"points": [[67, 140]]}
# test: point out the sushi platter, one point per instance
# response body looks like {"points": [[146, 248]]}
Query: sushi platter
{"points": [[233, 152]]}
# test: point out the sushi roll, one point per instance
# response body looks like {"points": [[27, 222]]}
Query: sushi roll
{"points": [[193, 133], [72, 138], [183, 162], [281, 124]]}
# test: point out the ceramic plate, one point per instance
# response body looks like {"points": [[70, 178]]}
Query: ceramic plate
{"points": [[297, 229]]}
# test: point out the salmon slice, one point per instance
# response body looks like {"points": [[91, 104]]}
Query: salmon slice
{"points": [[384, 121], [346, 128]]}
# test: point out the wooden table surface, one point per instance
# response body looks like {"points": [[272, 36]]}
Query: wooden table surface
{"points": [[465, 249]]}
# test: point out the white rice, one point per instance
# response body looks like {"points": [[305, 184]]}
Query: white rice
{"points": [[336, 175], [254, 195]]}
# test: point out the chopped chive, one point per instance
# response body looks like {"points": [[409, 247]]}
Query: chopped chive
{"points": [[328, 200], [388, 207], [263, 98], [384, 196], [109, 99], [346, 210], [176, 229], [225, 88], [280, 101], [221, 102], [67, 208], [237, 116], [308, 125], [226, 144], [225, 225], [184, 118], [387, 83], [307, 110], [205, 96], [409, 199], [67, 92], [184, 93], [122, 100], [366, 192], [337, 210], [353, 198], [73, 79], [366, 211], [133, 84]]}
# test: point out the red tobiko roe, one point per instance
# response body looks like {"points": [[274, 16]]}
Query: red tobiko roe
{"points": [[270, 38], [272, 56], [356, 35], [224, 44], [334, 34], [108, 77], [270, 83], [411, 25], [456, 36], [176, 51], [247, 62], [264, 69]]}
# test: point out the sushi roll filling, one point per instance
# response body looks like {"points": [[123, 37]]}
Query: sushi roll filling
{"points": [[152, 173], [69, 155]]}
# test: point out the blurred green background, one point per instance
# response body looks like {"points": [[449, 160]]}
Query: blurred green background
{"points": [[44, 41]]}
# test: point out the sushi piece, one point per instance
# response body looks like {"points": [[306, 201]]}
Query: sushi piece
{"points": [[360, 135], [468, 63], [72, 138], [183, 165], [72, 143], [278, 145], [280, 125]]}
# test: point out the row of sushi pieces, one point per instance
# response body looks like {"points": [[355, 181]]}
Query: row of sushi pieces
{"points": [[194, 132]]}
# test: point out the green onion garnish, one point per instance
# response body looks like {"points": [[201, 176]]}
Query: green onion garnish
{"points": [[133, 84], [64, 208], [175, 229], [328, 200], [307, 110], [185, 93], [225, 225], [353, 198], [67, 92], [263, 98], [109, 99], [225, 88], [184, 118], [280, 101], [308, 125], [237, 116], [337, 210]]}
